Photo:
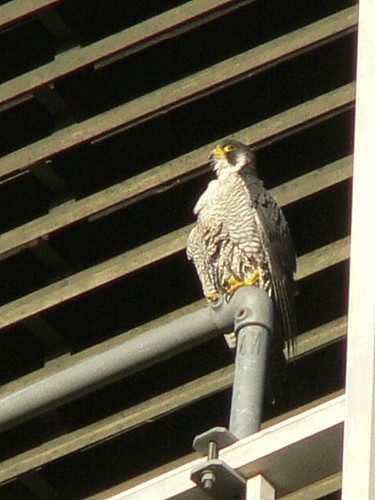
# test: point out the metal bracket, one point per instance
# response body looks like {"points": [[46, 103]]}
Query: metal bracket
{"points": [[216, 477]]}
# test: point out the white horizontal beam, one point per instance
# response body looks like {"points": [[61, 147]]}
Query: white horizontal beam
{"points": [[319, 489], [299, 451]]}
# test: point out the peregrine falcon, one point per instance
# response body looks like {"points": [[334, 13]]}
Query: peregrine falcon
{"points": [[241, 236]]}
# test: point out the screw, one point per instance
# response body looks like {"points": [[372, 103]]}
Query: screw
{"points": [[241, 313], [212, 450], [208, 479]]}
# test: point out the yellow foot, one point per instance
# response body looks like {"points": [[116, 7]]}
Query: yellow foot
{"points": [[254, 278], [213, 297], [235, 284]]}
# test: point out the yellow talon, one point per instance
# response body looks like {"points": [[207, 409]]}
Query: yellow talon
{"points": [[213, 297], [254, 278], [235, 284]]}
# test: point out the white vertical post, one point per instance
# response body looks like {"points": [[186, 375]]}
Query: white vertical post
{"points": [[359, 437], [258, 488]]}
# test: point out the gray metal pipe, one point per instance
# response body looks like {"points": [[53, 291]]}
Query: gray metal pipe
{"points": [[253, 327], [120, 361]]}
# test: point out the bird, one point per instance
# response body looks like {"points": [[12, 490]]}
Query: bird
{"points": [[241, 237]]}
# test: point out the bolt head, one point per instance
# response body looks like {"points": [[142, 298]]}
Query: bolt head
{"points": [[208, 479], [242, 313]]}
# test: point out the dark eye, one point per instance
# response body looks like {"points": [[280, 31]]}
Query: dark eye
{"points": [[229, 147]]}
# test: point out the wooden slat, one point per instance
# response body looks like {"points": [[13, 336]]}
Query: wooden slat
{"points": [[323, 257], [18, 9], [319, 337], [155, 408], [126, 42], [314, 181], [162, 177], [94, 277], [316, 490], [184, 91]]}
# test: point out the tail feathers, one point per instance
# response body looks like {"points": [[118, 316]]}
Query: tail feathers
{"points": [[285, 313]]}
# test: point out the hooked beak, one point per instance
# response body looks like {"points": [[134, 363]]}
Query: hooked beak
{"points": [[217, 153]]}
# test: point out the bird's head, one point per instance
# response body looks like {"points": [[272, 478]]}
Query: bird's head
{"points": [[233, 156]]}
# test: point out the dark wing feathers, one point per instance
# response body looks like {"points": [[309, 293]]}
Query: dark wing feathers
{"points": [[281, 253]]}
